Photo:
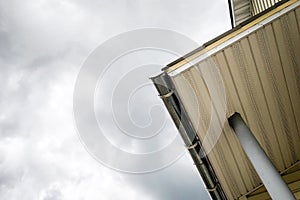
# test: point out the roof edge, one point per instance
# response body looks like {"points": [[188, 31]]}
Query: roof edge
{"points": [[227, 35]]}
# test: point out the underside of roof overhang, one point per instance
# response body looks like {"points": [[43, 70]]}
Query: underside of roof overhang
{"points": [[253, 69]]}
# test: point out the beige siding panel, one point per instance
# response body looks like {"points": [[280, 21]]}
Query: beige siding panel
{"points": [[215, 156], [261, 76], [269, 138], [244, 171], [298, 19], [233, 142], [241, 87], [295, 95], [199, 88], [231, 96], [223, 143], [231, 172], [246, 168], [268, 80], [291, 71]]}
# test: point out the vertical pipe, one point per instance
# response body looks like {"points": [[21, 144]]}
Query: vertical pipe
{"points": [[267, 172]]}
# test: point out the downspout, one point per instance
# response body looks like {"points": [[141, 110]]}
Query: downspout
{"points": [[168, 94]]}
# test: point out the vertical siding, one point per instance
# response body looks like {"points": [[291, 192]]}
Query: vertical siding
{"points": [[259, 6], [261, 76]]}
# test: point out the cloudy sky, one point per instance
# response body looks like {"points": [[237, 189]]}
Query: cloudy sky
{"points": [[43, 45]]}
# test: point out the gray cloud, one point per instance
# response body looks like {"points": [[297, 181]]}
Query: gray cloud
{"points": [[179, 181], [42, 46]]}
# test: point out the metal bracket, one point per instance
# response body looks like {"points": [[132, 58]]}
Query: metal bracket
{"points": [[192, 146], [166, 95], [211, 189]]}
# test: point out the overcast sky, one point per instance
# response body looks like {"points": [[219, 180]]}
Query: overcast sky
{"points": [[43, 44]]}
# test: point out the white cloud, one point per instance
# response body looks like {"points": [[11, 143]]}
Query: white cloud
{"points": [[44, 158], [43, 44]]}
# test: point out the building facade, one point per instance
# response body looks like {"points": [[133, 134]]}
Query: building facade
{"points": [[254, 70]]}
